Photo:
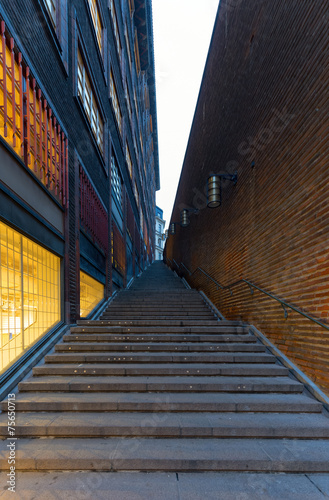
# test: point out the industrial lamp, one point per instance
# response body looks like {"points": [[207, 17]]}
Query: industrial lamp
{"points": [[214, 188], [184, 218]]}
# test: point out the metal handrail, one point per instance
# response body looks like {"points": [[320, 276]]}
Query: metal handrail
{"points": [[186, 268], [251, 285], [175, 263], [208, 276]]}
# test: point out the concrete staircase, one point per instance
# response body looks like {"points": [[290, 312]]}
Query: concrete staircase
{"points": [[160, 383]]}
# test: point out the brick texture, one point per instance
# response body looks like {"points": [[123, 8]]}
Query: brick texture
{"points": [[262, 111]]}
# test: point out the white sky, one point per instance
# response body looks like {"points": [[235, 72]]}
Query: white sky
{"points": [[182, 34]]}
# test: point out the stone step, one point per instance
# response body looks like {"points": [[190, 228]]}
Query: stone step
{"points": [[176, 315], [165, 402], [87, 337], [209, 330], [155, 357], [84, 485], [144, 454], [162, 384], [159, 347], [169, 425], [162, 306], [220, 324], [152, 299], [161, 322], [139, 318], [253, 370]]}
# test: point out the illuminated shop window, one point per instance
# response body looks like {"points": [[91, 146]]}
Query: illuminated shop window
{"points": [[29, 293], [87, 97], [91, 293], [94, 9]]}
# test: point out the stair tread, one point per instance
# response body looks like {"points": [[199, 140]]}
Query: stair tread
{"points": [[192, 383], [169, 454], [180, 424], [181, 366], [203, 357], [160, 346], [89, 337], [236, 400]]}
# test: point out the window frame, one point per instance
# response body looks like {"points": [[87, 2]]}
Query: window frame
{"points": [[115, 28], [115, 102], [93, 102], [99, 14], [119, 181], [53, 18]]}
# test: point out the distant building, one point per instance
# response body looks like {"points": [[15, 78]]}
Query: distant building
{"points": [[159, 233]]}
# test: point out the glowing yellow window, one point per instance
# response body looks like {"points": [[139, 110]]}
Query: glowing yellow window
{"points": [[91, 293], [29, 293]]}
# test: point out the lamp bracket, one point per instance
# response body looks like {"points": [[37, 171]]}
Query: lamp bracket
{"points": [[285, 312]]}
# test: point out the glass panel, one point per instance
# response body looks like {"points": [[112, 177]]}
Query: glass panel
{"points": [[91, 293], [29, 293]]}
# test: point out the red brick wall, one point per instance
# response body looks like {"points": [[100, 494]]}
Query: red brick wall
{"points": [[263, 111]]}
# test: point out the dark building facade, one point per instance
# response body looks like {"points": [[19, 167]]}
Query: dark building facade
{"points": [[262, 113], [78, 160]]}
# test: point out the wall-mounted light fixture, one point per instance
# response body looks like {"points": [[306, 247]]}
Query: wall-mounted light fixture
{"points": [[214, 188], [184, 218], [172, 229]]}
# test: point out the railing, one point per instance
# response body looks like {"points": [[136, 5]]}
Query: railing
{"points": [[285, 305]]}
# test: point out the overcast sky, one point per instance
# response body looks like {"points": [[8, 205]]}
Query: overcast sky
{"points": [[182, 34]]}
